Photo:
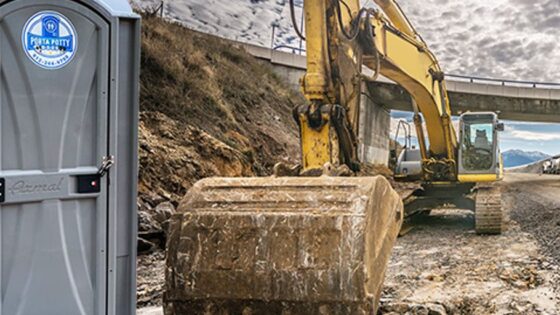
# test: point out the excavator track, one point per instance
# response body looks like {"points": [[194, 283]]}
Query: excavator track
{"points": [[488, 210], [281, 245]]}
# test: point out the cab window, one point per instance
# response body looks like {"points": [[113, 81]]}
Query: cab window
{"points": [[477, 145]]}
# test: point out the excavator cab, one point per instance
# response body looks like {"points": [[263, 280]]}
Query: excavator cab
{"points": [[479, 154], [478, 165]]}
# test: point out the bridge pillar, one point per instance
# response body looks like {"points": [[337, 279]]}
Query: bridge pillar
{"points": [[374, 131]]}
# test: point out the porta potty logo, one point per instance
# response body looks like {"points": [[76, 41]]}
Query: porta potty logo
{"points": [[49, 40]]}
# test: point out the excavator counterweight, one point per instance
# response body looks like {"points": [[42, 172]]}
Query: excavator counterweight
{"points": [[281, 245]]}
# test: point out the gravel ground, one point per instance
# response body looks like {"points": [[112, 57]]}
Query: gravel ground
{"points": [[150, 279], [443, 267], [537, 200]]}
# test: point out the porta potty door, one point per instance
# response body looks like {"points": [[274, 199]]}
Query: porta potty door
{"points": [[53, 130]]}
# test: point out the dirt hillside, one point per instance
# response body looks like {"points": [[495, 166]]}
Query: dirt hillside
{"points": [[208, 108]]}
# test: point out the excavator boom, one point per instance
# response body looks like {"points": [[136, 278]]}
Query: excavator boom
{"points": [[341, 38]]}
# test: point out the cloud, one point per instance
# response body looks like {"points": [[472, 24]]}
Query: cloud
{"points": [[509, 39], [503, 39], [529, 123], [531, 135]]}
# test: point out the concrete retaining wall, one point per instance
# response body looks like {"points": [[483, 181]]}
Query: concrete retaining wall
{"points": [[374, 132]]}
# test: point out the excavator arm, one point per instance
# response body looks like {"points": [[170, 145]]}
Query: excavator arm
{"points": [[341, 38]]}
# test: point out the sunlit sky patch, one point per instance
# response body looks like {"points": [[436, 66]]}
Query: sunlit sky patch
{"points": [[524, 136]]}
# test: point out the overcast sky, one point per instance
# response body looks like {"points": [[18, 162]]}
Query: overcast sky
{"points": [[508, 39]]}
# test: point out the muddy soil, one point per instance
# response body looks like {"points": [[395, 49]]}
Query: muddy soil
{"points": [[210, 109], [443, 267]]}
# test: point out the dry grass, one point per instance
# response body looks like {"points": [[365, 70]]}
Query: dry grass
{"points": [[201, 80], [208, 109]]}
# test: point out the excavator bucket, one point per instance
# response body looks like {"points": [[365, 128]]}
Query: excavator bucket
{"points": [[281, 245]]}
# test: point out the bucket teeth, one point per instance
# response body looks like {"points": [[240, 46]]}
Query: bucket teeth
{"points": [[296, 245]]}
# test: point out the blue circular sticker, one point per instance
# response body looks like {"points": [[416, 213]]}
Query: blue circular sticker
{"points": [[49, 40]]}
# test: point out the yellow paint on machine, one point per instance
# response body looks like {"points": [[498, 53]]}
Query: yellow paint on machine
{"points": [[475, 178], [315, 144]]}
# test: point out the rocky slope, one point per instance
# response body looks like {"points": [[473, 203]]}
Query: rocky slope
{"points": [[208, 108]]}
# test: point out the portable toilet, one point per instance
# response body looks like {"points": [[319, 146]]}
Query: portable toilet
{"points": [[69, 72]]}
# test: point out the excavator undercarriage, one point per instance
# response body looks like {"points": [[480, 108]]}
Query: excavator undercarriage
{"points": [[483, 199]]}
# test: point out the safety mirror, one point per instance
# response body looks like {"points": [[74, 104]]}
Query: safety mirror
{"points": [[500, 127]]}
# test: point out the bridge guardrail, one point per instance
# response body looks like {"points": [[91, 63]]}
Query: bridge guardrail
{"points": [[517, 83], [292, 48], [472, 79], [462, 78]]}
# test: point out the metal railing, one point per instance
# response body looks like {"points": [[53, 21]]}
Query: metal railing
{"points": [[159, 10], [156, 10], [300, 51], [471, 79], [503, 82]]}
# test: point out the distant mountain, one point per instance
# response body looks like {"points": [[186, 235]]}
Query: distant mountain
{"points": [[519, 157]]}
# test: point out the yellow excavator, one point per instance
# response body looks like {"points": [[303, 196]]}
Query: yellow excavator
{"points": [[319, 243]]}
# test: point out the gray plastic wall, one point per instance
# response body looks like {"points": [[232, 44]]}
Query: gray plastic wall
{"points": [[123, 102]]}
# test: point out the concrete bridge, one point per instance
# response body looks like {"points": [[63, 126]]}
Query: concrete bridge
{"points": [[538, 104], [514, 100]]}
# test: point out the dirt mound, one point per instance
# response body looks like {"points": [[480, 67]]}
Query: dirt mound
{"points": [[208, 108], [533, 168]]}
